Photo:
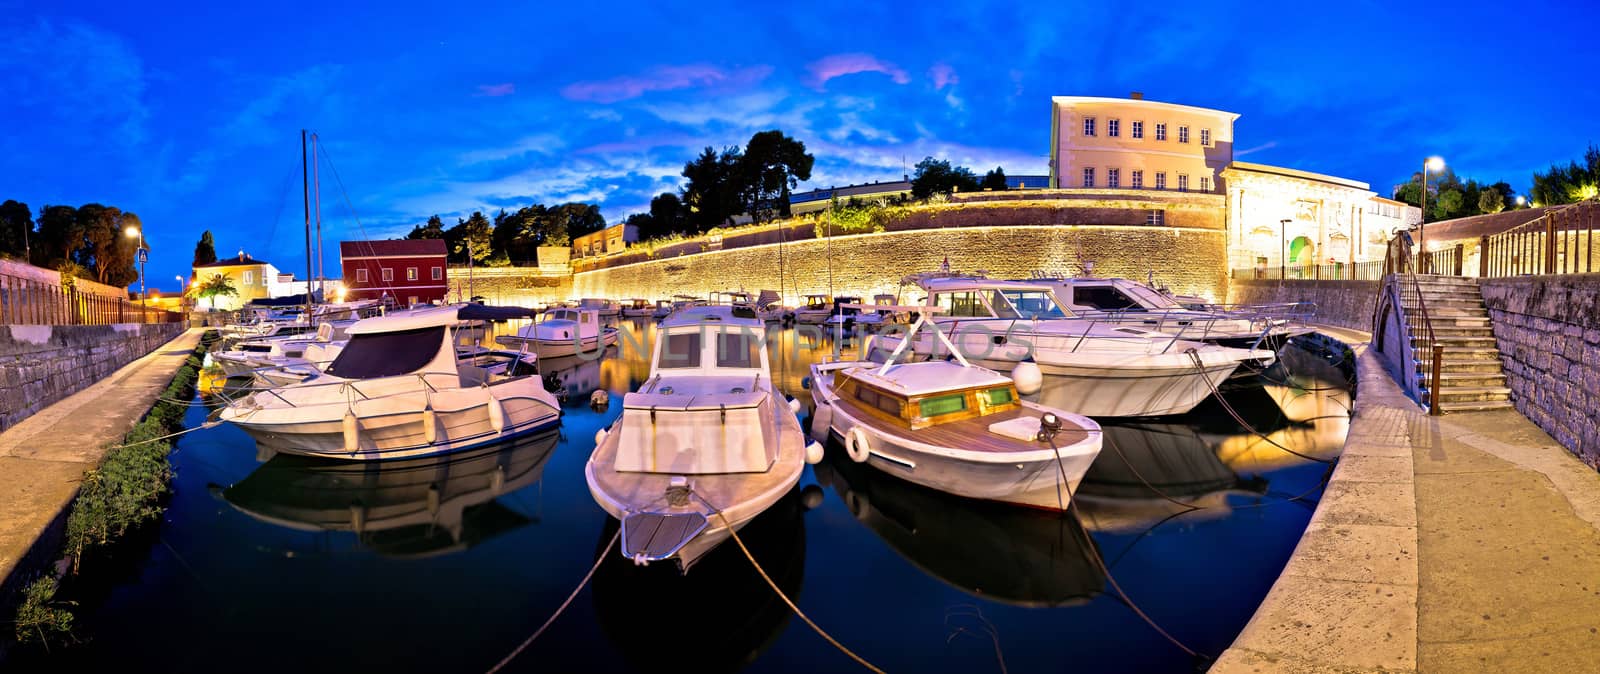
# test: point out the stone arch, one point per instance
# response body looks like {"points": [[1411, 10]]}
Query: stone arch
{"points": [[1302, 251]]}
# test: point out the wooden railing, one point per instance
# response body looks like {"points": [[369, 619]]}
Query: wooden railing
{"points": [[1559, 242], [27, 301], [1446, 261]]}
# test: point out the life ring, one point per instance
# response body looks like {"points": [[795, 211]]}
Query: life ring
{"points": [[855, 444]]}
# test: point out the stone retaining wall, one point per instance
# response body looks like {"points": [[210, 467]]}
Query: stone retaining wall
{"points": [[40, 364], [1345, 304], [1548, 331]]}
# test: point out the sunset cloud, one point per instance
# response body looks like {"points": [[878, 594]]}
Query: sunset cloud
{"points": [[839, 65], [943, 75], [663, 78]]}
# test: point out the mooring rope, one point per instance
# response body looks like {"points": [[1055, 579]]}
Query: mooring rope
{"points": [[208, 424], [776, 590], [1200, 369], [599, 559]]}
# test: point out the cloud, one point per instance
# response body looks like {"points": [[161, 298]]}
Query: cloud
{"points": [[496, 90], [72, 77], [1264, 146], [943, 75], [543, 143], [663, 78], [839, 65]]}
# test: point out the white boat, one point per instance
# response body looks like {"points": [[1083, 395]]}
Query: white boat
{"points": [[606, 308], [638, 308], [707, 442], [664, 309], [1093, 367], [766, 306], [815, 310], [562, 332], [1245, 327], [848, 312], [954, 427], [400, 390]]}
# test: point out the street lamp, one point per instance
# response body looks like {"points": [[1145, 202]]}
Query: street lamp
{"points": [[135, 232], [1435, 164], [1283, 247], [1521, 200]]}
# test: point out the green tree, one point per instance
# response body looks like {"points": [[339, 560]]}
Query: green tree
{"points": [[60, 236], [1571, 183], [205, 252], [106, 251], [1490, 200], [712, 193], [937, 176], [216, 286], [1448, 206], [994, 180], [572, 220], [773, 164], [433, 230], [473, 236], [16, 228]]}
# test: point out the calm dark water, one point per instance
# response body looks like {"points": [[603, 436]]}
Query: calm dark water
{"points": [[260, 567]]}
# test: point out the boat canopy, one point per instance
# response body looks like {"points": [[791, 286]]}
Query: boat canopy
{"points": [[390, 353], [479, 312]]}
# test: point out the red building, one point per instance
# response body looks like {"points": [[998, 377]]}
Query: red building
{"points": [[406, 271]]}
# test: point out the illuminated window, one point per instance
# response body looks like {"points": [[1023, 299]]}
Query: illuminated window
{"points": [[361, 276], [1161, 180], [1161, 130], [411, 273], [1088, 177], [1205, 137], [1205, 183], [388, 274], [1113, 127], [1088, 126], [1155, 216], [1113, 177], [1136, 180], [1183, 134], [1183, 182], [1138, 129], [438, 273]]}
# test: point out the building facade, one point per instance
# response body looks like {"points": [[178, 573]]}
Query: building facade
{"points": [[252, 278], [403, 271], [1132, 143], [1282, 216], [608, 241]]}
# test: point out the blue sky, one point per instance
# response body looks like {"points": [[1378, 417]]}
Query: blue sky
{"points": [[189, 114]]}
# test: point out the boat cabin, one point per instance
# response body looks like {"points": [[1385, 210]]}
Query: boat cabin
{"points": [[907, 397], [970, 298], [639, 304], [420, 343], [565, 323], [1100, 294], [816, 302]]}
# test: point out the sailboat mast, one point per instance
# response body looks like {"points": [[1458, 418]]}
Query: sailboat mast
{"points": [[305, 200], [316, 195]]}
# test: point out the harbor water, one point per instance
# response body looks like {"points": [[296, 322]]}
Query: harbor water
{"points": [[278, 563]]}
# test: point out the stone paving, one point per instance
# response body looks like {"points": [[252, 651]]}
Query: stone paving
{"points": [[1463, 543], [43, 457]]}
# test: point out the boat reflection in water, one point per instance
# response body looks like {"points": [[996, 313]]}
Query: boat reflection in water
{"points": [[999, 552], [573, 378], [1120, 491], [721, 608], [407, 508]]}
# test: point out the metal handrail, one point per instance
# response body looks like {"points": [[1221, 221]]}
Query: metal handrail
{"points": [[1400, 261]]}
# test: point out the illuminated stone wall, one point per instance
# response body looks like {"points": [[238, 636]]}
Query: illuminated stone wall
{"points": [[510, 286], [1188, 260]]}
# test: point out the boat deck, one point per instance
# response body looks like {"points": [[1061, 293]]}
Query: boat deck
{"points": [[969, 434]]}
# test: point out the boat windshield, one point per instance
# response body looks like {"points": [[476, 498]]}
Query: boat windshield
{"points": [[1152, 298], [1029, 304], [387, 354]]}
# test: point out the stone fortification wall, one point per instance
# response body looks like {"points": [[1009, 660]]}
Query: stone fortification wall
{"points": [[1548, 331], [1345, 304], [40, 364]]}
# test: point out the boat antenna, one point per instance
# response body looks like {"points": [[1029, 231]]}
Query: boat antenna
{"points": [[305, 194]]}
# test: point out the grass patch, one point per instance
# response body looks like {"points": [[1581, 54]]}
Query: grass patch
{"points": [[40, 616]]}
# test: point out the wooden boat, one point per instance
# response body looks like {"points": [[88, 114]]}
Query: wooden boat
{"points": [[954, 427], [706, 443], [815, 310]]}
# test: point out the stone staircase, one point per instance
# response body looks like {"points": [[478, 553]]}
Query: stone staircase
{"points": [[1470, 371]]}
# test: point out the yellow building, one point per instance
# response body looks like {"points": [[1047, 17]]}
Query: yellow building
{"points": [[608, 241], [1132, 143], [253, 278], [1282, 216]]}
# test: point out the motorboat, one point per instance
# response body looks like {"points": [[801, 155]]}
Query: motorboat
{"points": [[606, 308], [848, 312], [765, 306], [814, 311], [707, 442], [409, 508], [562, 332], [1268, 326], [1098, 368], [399, 389], [638, 308], [953, 426], [664, 308], [685, 301], [252, 354]]}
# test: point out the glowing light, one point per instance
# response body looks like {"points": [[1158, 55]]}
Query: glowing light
{"points": [[132, 232], [1586, 192], [1435, 164], [1521, 200]]}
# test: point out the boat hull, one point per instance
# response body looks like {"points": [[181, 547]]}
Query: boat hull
{"points": [[559, 348]]}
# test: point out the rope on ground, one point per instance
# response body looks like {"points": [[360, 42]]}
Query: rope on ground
{"points": [[779, 591], [1200, 369], [529, 641]]}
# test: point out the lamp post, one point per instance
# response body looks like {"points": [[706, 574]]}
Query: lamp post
{"points": [[1521, 200], [1436, 164], [1283, 247], [135, 232]]}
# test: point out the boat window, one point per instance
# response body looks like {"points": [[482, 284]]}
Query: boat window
{"points": [[680, 349], [945, 404], [386, 354], [879, 400], [961, 305], [255, 348], [1103, 297], [997, 396], [1153, 298], [1034, 304], [1002, 308], [737, 349]]}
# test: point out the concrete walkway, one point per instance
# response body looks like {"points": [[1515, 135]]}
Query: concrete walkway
{"points": [[1463, 543], [43, 457]]}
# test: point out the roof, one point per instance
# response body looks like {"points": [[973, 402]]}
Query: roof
{"points": [[858, 190], [240, 260], [1075, 100], [1475, 226], [702, 315], [391, 247], [929, 377], [1296, 173]]}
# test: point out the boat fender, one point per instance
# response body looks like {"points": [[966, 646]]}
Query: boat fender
{"points": [[433, 498], [821, 419], [599, 400], [814, 453], [794, 405], [855, 444], [805, 382], [358, 518], [497, 481], [811, 496], [352, 433], [430, 425], [1028, 378], [599, 437], [497, 415]]}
